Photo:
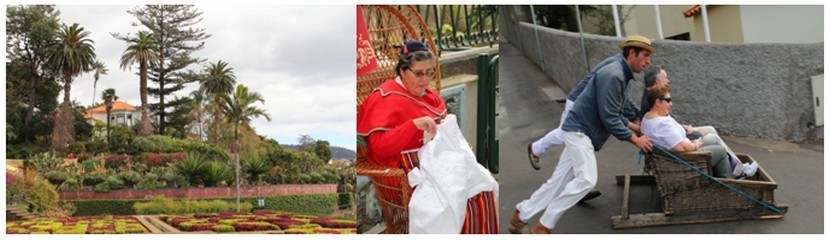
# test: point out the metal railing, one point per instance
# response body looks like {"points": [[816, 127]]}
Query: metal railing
{"points": [[487, 143], [460, 27]]}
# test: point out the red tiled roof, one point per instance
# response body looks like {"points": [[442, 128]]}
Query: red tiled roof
{"points": [[691, 11], [116, 106]]}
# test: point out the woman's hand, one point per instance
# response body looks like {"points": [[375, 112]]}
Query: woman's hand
{"points": [[688, 129], [425, 123]]}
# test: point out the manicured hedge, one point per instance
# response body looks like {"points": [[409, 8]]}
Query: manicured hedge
{"points": [[314, 204], [104, 207]]}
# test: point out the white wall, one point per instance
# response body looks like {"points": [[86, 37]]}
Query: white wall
{"points": [[782, 24]]}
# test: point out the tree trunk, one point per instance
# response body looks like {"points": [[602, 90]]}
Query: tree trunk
{"points": [[161, 102], [145, 127], [236, 156], [67, 86], [94, 90]]}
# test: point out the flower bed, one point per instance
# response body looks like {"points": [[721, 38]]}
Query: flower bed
{"points": [[265, 221], [79, 225]]}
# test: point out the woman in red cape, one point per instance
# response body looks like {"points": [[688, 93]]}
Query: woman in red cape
{"points": [[395, 116]]}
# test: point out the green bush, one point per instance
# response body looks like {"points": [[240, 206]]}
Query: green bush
{"points": [[130, 178], [77, 147], [222, 228], [314, 204], [23, 151], [150, 181], [102, 187], [163, 205], [43, 196], [114, 182], [44, 162], [56, 177], [92, 179], [96, 147], [104, 207]]}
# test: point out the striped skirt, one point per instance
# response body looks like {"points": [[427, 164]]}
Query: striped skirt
{"points": [[481, 216]]}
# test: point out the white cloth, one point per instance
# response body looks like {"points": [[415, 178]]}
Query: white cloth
{"points": [[448, 174], [663, 131], [554, 137], [575, 175]]}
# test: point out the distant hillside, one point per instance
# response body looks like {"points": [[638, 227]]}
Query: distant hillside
{"points": [[336, 152]]}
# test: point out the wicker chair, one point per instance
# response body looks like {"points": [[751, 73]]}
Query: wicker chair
{"points": [[390, 26]]}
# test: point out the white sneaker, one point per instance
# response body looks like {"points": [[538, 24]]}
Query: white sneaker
{"points": [[750, 169]]}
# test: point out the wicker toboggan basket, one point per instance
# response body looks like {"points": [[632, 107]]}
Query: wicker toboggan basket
{"points": [[390, 26], [683, 190]]}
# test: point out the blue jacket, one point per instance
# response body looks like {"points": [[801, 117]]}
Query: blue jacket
{"points": [[631, 113], [603, 106]]}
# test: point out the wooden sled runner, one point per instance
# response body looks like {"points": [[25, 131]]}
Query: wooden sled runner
{"points": [[688, 197]]}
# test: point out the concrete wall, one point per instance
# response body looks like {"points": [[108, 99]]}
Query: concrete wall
{"points": [[792, 23], [751, 90]]}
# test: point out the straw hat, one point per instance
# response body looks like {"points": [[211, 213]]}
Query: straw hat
{"points": [[637, 41]]}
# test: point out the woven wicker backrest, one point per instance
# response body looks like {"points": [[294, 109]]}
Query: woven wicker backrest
{"points": [[390, 26]]}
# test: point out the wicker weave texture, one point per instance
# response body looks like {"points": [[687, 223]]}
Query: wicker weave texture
{"points": [[683, 190]]}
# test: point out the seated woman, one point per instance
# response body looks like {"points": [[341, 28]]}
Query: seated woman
{"points": [[394, 118], [655, 75], [667, 133]]}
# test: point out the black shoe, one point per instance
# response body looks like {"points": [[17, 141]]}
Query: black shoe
{"points": [[591, 195], [534, 160]]}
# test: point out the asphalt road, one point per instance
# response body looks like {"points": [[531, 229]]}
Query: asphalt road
{"points": [[527, 113]]}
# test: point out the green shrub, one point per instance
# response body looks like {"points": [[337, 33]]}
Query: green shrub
{"points": [[150, 181], [77, 147], [22, 151], [163, 205], [43, 196], [317, 178], [96, 147], [130, 178], [104, 207], [102, 187], [222, 228], [114, 182], [69, 184], [44, 162], [315, 204], [56, 177], [92, 179]]}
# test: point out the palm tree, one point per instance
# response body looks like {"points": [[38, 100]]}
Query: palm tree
{"points": [[99, 68], [109, 92], [218, 80], [254, 167], [239, 110], [141, 51], [71, 54]]}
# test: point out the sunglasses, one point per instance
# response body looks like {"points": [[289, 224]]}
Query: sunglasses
{"points": [[668, 100], [428, 73]]}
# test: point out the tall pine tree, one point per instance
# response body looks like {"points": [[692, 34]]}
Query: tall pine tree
{"points": [[177, 37]]}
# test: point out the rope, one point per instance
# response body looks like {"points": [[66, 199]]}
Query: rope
{"points": [[730, 187]]}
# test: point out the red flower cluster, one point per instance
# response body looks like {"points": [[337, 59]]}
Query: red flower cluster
{"points": [[330, 223]]}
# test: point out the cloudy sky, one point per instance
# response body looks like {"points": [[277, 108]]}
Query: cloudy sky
{"points": [[300, 58]]}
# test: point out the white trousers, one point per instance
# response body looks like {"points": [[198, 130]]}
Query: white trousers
{"points": [[553, 137], [575, 175]]}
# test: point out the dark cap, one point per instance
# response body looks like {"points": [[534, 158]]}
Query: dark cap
{"points": [[413, 46]]}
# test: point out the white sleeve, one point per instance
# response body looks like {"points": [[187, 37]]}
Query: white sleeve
{"points": [[670, 133]]}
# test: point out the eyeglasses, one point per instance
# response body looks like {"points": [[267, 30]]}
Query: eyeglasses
{"points": [[428, 73], [668, 100]]}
